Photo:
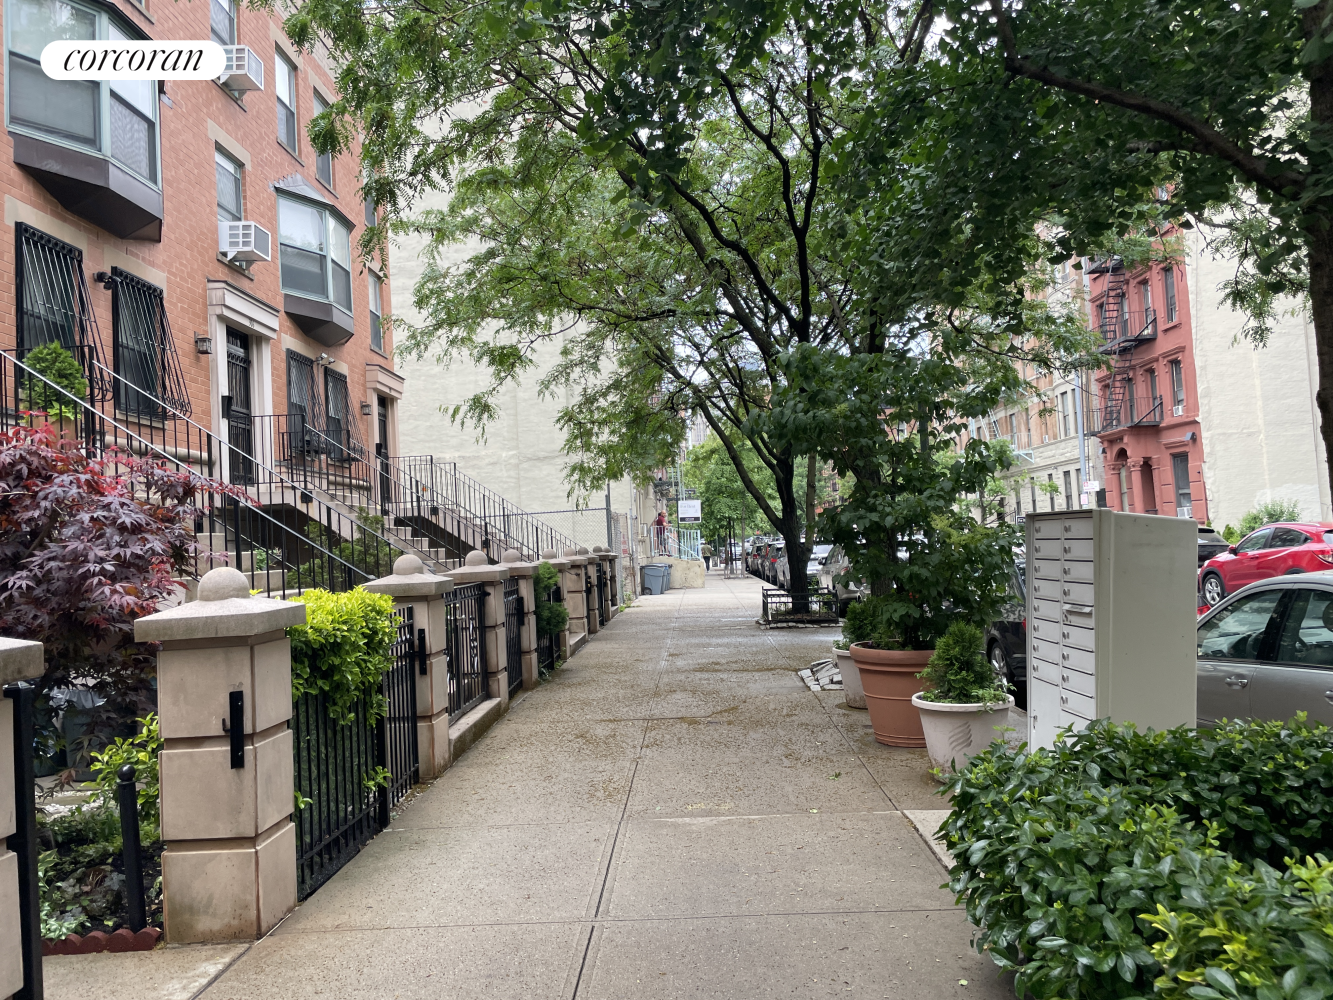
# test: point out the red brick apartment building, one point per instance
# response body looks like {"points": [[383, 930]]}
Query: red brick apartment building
{"points": [[187, 236], [1146, 411]]}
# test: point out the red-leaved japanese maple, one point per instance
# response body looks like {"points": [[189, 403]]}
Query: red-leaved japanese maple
{"points": [[88, 544]]}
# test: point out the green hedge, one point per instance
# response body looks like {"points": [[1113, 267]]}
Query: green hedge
{"points": [[1073, 862], [344, 648]]}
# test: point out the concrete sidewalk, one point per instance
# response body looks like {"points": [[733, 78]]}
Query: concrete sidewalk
{"points": [[674, 815]]}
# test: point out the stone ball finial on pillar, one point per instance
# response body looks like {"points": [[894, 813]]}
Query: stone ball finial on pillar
{"points": [[408, 565], [549, 554], [511, 556], [476, 558], [582, 550], [222, 584], [571, 552]]}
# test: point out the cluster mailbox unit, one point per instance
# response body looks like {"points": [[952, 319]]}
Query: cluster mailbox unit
{"points": [[1111, 603]]}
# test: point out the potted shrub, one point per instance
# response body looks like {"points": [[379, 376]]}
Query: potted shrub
{"points": [[853, 630], [964, 707]]}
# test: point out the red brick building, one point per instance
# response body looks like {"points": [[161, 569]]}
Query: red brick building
{"points": [[1146, 411], [126, 236]]}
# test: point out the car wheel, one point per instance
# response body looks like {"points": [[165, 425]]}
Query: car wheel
{"points": [[1213, 589]]}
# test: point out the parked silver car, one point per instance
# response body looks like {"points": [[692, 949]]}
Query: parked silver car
{"points": [[1266, 652], [835, 565]]}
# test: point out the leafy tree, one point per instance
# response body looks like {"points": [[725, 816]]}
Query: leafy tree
{"points": [[88, 545], [1269, 513], [725, 499]]}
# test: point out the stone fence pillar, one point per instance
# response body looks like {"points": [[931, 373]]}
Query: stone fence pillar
{"points": [[561, 567], [609, 599], [476, 569], [594, 624], [572, 584], [525, 571], [412, 587], [224, 693], [20, 936]]}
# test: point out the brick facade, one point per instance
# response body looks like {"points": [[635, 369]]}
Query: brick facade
{"points": [[205, 294]]}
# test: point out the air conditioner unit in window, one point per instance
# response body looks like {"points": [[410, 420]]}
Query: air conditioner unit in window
{"points": [[1177, 411], [243, 69], [243, 241]]}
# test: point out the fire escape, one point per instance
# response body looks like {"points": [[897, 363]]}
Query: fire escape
{"points": [[1122, 330]]}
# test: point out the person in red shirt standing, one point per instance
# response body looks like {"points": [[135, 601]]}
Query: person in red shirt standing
{"points": [[660, 525]]}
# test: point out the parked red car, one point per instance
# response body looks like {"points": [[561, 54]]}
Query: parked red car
{"points": [[1273, 550]]}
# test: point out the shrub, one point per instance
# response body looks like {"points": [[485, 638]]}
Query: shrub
{"points": [[1268, 513], [344, 649], [142, 751], [57, 366], [859, 625], [366, 550], [1262, 935], [1066, 855], [958, 672], [552, 618]]}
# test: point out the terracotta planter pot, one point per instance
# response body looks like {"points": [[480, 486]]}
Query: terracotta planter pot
{"points": [[889, 679], [955, 733], [851, 679]]}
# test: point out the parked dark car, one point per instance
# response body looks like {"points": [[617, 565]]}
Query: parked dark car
{"points": [[1266, 652], [1007, 638], [1211, 543], [1273, 550]]}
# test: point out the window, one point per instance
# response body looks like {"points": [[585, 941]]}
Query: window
{"points": [[1254, 541], [1243, 630], [1152, 386], [1129, 396], [1180, 475], [1069, 491], [323, 161], [1169, 281], [284, 83], [376, 331], [1018, 503], [229, 187], [116, 119], [1065, 417], [1286, 538], [1307, 638], [222, 21], [144, 352], [1050, 481], [305, 406], [1124, 489], [1145, 296], [337, 423], [315, 252], [1177, 388], [372, 213], [54, 294]]}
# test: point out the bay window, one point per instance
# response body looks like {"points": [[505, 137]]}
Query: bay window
{"points": [[315, 252], [117, 119]]}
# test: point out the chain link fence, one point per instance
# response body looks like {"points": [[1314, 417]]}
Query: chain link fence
{"points": [[589, 526]]}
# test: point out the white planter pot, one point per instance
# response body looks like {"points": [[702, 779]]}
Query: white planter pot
{"points": [[954, 733], [855, 695]]}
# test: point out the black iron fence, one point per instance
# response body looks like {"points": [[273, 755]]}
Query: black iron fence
{"points": [[601, 592], [23, 842], [819, 607], [589, 611], [350, 771], [513, 608], [545, 652], [465, 639]]}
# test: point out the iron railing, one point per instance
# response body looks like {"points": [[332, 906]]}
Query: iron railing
{"points": [[675, 543], [1125, 411], [589, 612], [350, 772], [513, 609], [601, 593], [819, 607], [280, 552], [465, 624], [545, 651], [1123, 328]]}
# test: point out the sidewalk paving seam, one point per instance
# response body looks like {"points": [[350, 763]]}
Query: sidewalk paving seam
{"points": [[223, 971]]}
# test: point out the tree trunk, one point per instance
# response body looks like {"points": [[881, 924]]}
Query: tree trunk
{"points": [[1321, 248]]}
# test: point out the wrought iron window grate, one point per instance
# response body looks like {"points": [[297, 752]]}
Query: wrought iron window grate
{"points": [[55, 304], [145, 353]]}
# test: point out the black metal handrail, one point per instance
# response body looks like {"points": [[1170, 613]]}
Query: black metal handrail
{"points": [[1126, 411], [276, 556], [1124, 328]]}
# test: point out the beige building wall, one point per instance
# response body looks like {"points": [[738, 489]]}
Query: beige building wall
{"points": [[1260, 427], [518, 455]]}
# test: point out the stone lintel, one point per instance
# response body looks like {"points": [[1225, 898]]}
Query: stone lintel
{"points": [[413, 585], [479, 574], [20, 660]]}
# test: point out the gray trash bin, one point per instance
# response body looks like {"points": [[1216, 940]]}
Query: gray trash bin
{"points": [[657, 578]]}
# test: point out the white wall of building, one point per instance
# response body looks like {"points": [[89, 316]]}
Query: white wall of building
{"points": [[1260, 427]]}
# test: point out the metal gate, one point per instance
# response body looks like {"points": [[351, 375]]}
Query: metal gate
{"points": [[587, 598], [601, 593], [350, 771], [465, 609], [513, 608]]}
